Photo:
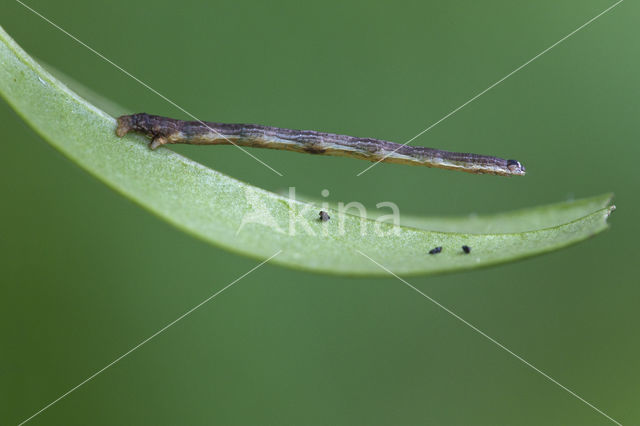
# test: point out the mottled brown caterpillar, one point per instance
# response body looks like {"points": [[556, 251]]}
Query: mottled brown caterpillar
{"points": [[163, 130]]}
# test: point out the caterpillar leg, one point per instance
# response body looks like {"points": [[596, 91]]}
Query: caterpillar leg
{"points": [[158, 141]]}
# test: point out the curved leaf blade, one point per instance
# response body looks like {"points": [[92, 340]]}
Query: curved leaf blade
{"points": [[254, 222], [530, 219]]}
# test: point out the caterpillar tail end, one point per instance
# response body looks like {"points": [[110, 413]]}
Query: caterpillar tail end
{"points": [[125, 125]]}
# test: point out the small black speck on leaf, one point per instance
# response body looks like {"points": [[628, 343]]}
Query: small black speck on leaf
{"points": [[435, 250], [324, 216], [466, 249]]}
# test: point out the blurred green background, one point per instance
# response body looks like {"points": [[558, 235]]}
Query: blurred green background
{"points": [[86, 274]]}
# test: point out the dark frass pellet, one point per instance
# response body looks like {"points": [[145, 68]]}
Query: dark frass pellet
{"points": [[435, 250], [466, 249], [324, 216]]}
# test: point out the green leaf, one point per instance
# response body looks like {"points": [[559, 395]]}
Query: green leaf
{"points": [[213, 206], [530, 219]]}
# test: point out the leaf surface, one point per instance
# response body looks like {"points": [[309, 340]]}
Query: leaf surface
{"points": [[254, 222]]}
